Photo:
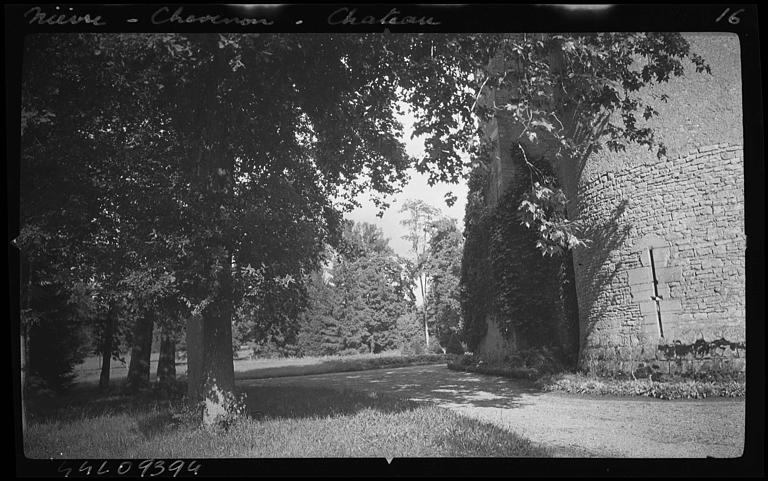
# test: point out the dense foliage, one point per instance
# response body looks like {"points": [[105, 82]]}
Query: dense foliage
{"points": [[443, 266], [355, 302]]}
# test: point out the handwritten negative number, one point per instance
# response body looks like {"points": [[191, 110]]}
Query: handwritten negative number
{"points": [[733, 19], [157, 466]]}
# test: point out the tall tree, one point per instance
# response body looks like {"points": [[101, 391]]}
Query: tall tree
{"points": [[419, 225], [355, 302], [443, 267]]}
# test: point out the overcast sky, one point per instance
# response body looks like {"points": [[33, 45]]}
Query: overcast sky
{"points": [[417, 188]]}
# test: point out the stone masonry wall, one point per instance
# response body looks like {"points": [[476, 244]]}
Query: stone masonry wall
{"points": [[668, 234], [688, 209], [680, 223], [494, 345]]}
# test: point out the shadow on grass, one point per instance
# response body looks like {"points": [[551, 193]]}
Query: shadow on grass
{"points": [[322, 394], [298, 402], [89, 400]]}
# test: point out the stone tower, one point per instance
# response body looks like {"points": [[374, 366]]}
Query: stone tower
{"points": [[662, 286]]}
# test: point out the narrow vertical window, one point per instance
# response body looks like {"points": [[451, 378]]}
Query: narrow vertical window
{"points": [[656, 297]]}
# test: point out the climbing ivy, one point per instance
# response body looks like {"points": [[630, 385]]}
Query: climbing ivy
{"points": [[504, 275]]}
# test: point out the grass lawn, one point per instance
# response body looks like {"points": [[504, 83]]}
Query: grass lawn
{"points": [[284, 422], [89, 371]]}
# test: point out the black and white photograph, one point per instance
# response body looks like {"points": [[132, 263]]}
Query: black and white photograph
{"points": [[263, 232]]}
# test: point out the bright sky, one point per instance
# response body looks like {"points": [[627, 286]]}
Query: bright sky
{"points": [[417, 188]]}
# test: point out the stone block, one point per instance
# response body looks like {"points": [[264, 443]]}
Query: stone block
{"points": [[661, 256], [641, 292], [670, 306], [669, 274], [639, 276], [645, 258], [647, 308], [650, 322]]}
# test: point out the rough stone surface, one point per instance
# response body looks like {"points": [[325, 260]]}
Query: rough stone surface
{"points": [[494, 344], [700, 272], [667, 233]]}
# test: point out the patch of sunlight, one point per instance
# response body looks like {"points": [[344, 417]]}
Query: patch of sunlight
{"points": [[452, 391], [483, 396]]}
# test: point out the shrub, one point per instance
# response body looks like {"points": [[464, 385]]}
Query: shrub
{"points": [[349, 352], [413, 348]]}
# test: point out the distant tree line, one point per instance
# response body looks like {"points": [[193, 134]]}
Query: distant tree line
{"points": [[362, 300]]}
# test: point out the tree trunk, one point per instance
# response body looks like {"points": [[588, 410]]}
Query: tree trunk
{"points": [[138, 370], [218, 370], [210, 368], [26, 277], [424, 310], [23, 374], [194, 338], [106, 351], [211, 372], [166, 364]]}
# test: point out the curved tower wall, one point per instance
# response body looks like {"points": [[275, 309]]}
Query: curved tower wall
{"points": [[663, 283]]}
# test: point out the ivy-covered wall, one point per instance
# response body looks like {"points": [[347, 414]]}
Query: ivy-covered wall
{"points": [[513, 297]]}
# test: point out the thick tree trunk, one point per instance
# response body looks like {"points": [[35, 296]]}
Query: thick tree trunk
{"points": [[211, 372], [106, 351], [210, 368], [166, 364], [24, 363], [424, 310], [26, 275], [218, 371], [194, 339], [138, 370]]}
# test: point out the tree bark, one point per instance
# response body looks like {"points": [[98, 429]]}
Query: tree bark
{"points": [[218, 369], [210, 365], [424, 310], [194, 358], [106, 351], [138, 370], [26, 282], [210, 368], [24, 363], [166, 364]]}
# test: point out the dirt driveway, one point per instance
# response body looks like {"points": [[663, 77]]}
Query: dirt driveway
{"points": [[573, 426]]}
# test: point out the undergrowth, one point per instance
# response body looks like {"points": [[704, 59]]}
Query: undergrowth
{"points": [[549, 375]]}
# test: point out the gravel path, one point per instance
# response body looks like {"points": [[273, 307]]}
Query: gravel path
{"points": [[573, 426]]}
